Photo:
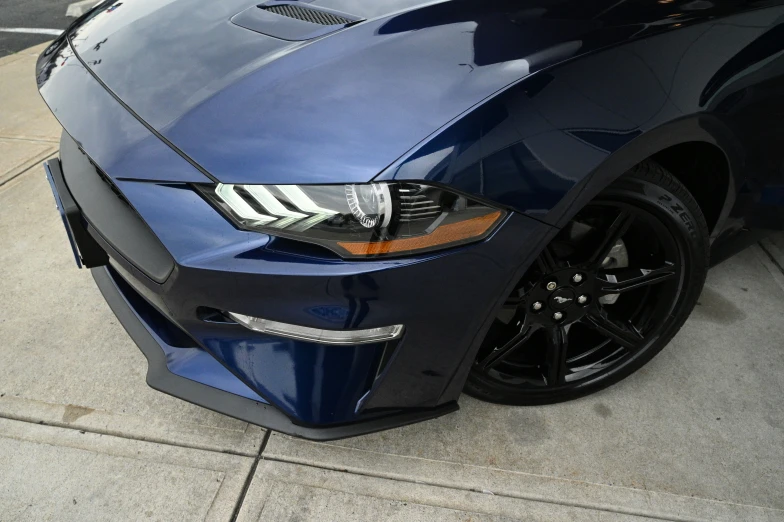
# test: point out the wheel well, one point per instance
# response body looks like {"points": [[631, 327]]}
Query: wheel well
{"points": [[703, 169]]}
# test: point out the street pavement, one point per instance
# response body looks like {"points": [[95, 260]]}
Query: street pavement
{"points": [[27, 14], [698, 434]]}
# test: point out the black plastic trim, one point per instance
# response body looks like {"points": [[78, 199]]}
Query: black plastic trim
{"points": [[90, 252], [161, 379], [106, 210]]}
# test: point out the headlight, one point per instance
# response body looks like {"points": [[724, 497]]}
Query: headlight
{"points": [[359, 220]]}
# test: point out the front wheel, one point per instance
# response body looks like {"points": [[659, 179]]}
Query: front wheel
{"points": [[605, 296]]}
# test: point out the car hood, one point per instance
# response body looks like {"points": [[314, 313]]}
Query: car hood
{"points": [[248, 107]]}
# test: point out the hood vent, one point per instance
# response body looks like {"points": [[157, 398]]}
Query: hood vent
{"points": [[306, 14], [291, 21]]}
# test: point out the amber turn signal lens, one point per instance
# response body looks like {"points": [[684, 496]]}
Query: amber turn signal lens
{"points": [[442, 236]]}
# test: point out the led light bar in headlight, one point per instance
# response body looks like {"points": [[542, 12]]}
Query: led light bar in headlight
{"points": [[316, 335], [359, 220]]}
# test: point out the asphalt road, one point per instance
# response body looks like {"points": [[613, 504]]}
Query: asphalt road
{"points": [[41, 14]]}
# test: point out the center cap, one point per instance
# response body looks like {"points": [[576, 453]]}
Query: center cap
{"points": [[562, 298]]}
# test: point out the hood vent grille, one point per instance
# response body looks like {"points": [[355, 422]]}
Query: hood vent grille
{"points": [[313, 16]]}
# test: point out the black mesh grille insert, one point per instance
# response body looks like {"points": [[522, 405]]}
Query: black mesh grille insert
{"points": [[313, 16]]}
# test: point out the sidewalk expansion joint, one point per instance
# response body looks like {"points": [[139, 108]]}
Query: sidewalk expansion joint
{"points": [[521, 496], [250, 476], [51, 141], [27, 166], [771, 257], [119, 435]]}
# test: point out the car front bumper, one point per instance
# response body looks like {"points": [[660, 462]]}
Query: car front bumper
{"points": [[229, 403]]}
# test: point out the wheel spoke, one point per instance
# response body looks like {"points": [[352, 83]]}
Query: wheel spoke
{"points": [[546, 261], [500, 353], [626, 279], [616, 230], [557, 344], [623, 333]]}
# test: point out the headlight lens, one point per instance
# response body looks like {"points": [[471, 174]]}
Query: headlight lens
{"points": [[358, 220]]}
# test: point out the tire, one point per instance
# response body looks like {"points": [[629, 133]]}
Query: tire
{"points": [[621, 335]]}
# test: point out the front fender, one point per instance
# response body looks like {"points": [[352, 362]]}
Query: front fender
{"points": [[549, 144]]}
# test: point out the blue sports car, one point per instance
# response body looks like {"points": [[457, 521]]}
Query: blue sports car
{"points": [[332, 217]]}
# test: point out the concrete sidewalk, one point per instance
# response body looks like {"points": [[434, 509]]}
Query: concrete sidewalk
{"points": [[698, 434]]}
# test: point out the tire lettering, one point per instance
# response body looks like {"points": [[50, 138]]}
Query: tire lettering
{"points": [[679, 210]]}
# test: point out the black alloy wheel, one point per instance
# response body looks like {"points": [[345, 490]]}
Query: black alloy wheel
{"points": [[605, 296]]}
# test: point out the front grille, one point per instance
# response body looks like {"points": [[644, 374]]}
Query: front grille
{"points": [[313, 16]]}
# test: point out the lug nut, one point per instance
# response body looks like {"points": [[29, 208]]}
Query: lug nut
{"points": [[537, 306], [557, 316], [552, 285], [582, 299], [577, 278]]}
